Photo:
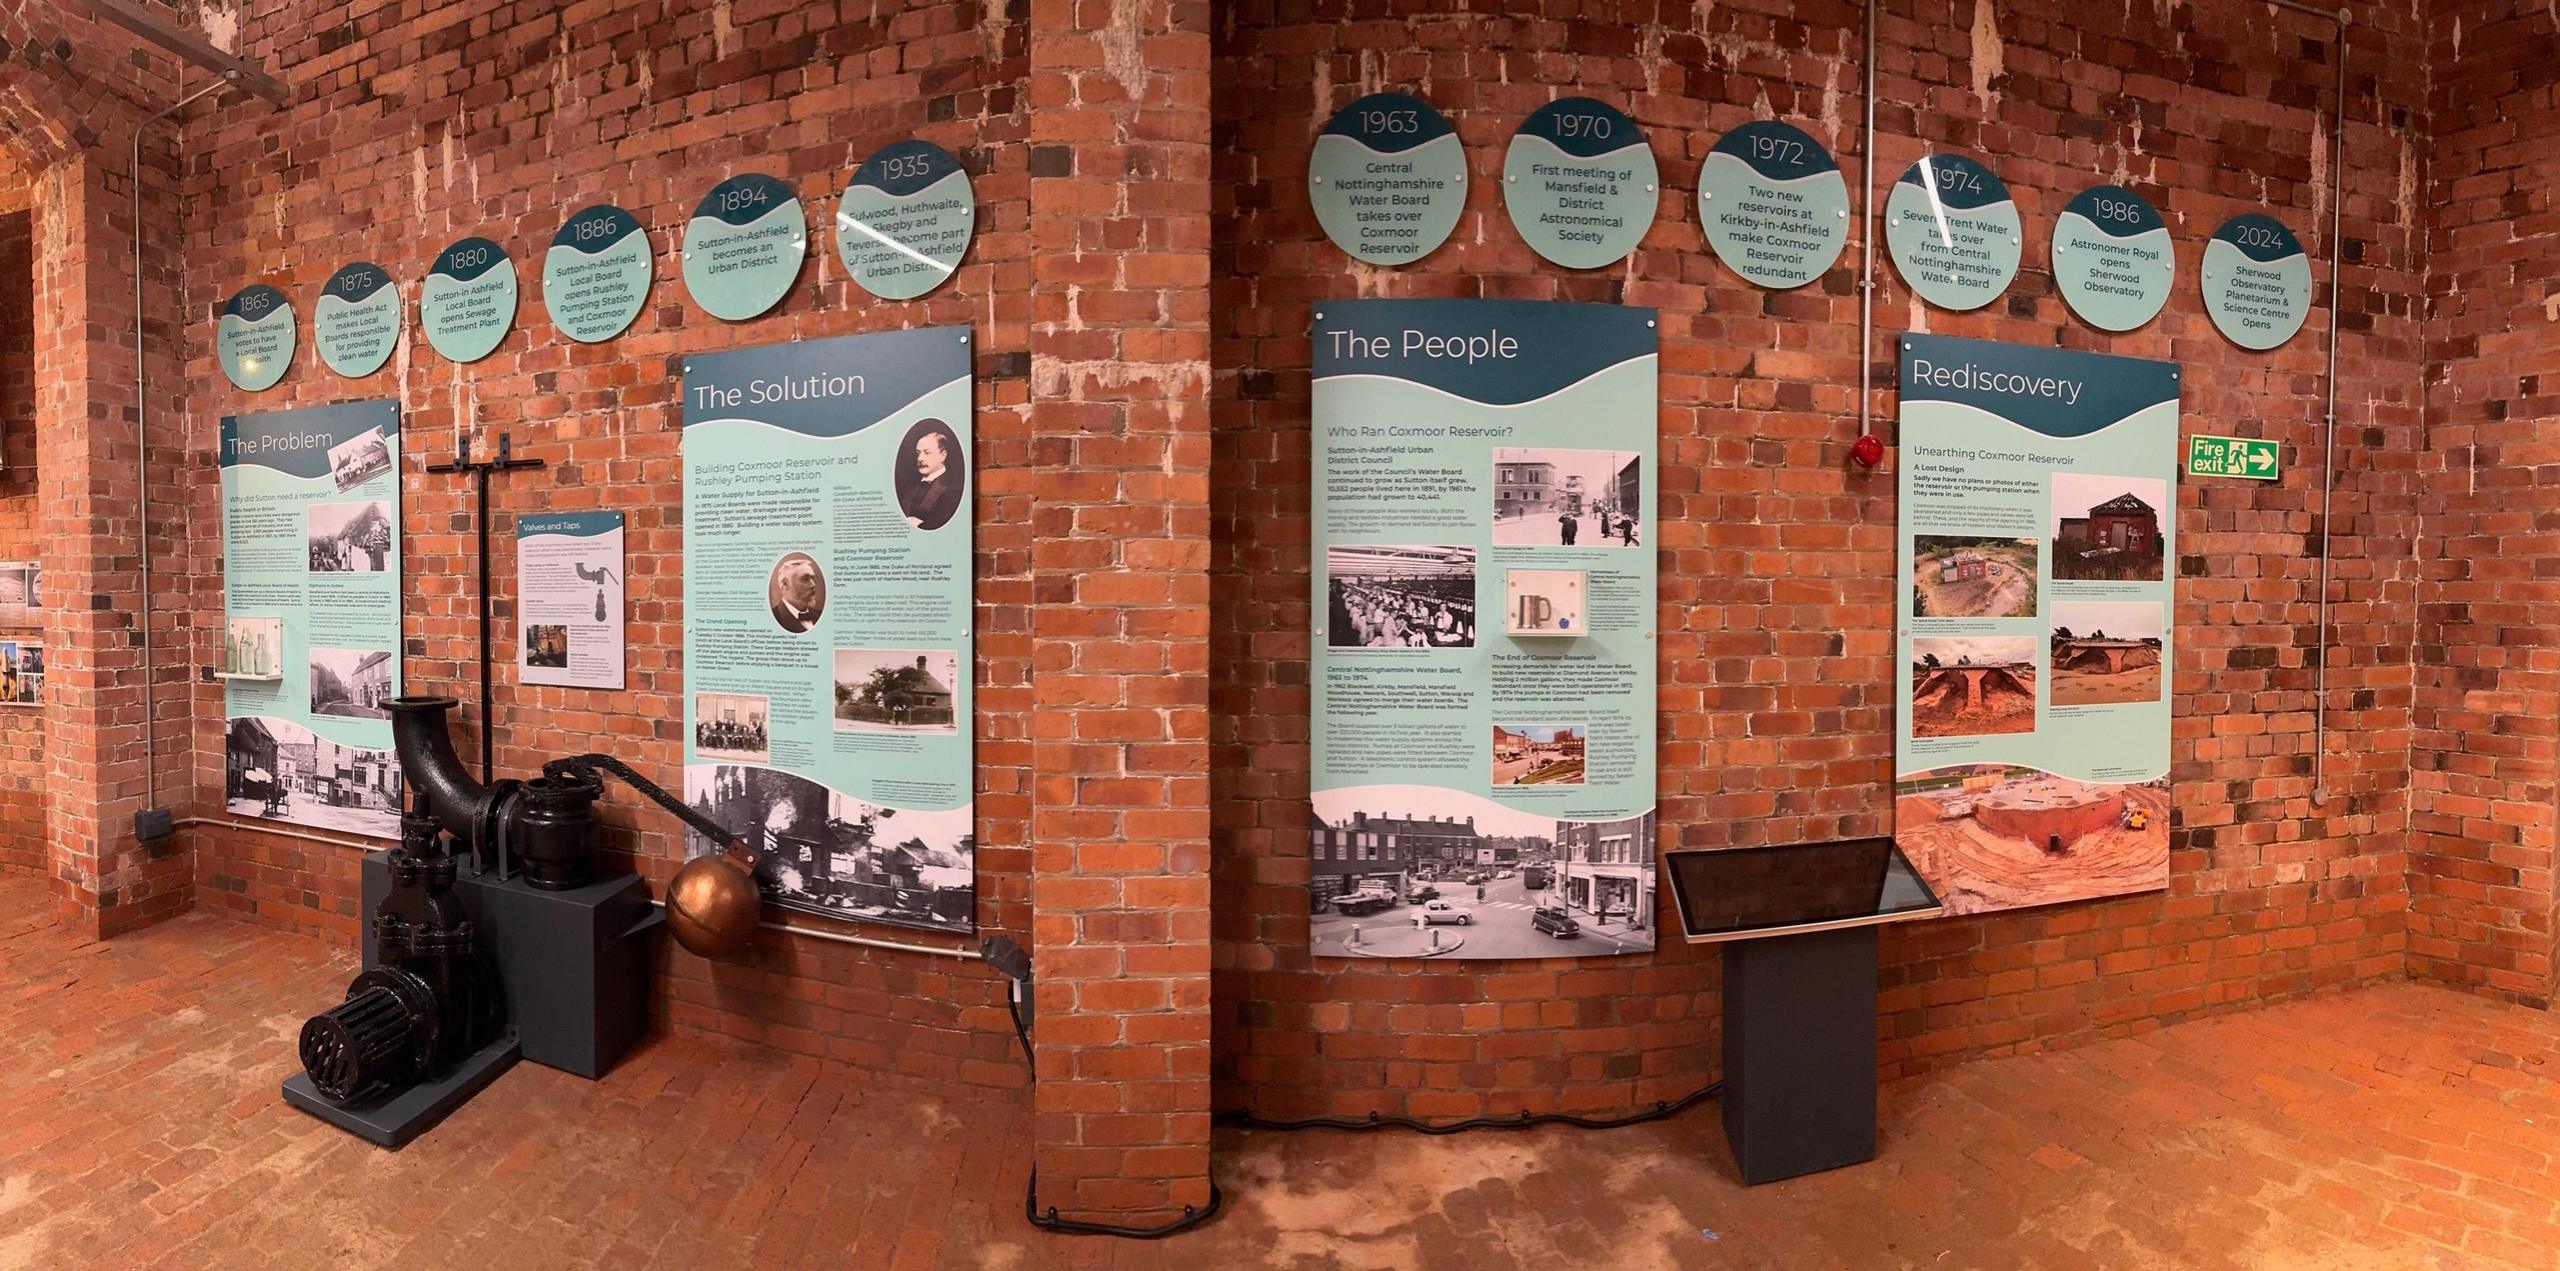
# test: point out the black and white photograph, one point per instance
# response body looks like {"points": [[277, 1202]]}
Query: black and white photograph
{"points": [[1402, 871], [351, 682], [252, 649], [730, 725], [359, 459], [897, 691], [797, 591], [546, 644], [277, 768], [932, 475], [1400, 597], [351, 538], [824, 852], [19, 582], [1546, 497]]}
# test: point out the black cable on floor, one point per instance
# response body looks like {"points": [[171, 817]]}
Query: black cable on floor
{"points": [[1050, 1221], [1517, 1121]]}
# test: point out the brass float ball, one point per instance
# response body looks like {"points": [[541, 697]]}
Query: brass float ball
{"points": [[712, 904]]}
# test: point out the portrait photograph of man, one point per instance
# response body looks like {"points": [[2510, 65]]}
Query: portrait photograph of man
{"points": [[932, 475], [797, 592]]}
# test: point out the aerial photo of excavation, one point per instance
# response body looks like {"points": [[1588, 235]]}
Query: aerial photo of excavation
{"points": [[1997, 836], [1956, 576]]}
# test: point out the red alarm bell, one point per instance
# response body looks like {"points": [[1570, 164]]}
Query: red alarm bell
{"points": [[1869, 449]]}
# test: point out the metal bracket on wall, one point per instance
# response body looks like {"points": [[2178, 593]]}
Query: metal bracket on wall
{"points": [[479, 471]]}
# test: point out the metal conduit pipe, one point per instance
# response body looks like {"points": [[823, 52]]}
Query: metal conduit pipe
{"points": [[1867, 244], [2329, 425], [814, 933], [142, 446]]}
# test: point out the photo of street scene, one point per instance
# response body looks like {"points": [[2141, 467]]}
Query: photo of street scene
{"points": [[350, 538], [1960, 576], [277, 768], [1538, 755], [1972, 686], [1999, 836], [824, 852], [1419, 871], [350, 682], [2107, 529], [2106, 652], [1400, 597], [1568, 498], [359, 459], [896, 691]]}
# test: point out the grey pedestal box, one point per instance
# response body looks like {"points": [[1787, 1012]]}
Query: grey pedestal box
{"points": [[574, 965], [1800, 1052]]}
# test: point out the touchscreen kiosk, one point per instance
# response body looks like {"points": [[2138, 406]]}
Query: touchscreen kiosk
{"points": [[1739, 893]]}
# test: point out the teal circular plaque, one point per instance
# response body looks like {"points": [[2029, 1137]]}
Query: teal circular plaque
{"points": [[1952, 231], [595, 277], [1579, 183], [905, 221], [357, 320], [2257, 281], [1774, 204], [1388, 177], [468, 302], [253, 339], [744, 247], [2112, 258]]}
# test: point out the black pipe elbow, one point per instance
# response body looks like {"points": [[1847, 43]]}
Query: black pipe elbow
{"points": [[435, 775]]}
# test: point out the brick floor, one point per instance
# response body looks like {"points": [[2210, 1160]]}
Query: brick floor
{"points": [[2400, 1126]]}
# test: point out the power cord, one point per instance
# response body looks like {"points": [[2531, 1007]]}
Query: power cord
{"points": [[1008, 957], [1661, 1109]]}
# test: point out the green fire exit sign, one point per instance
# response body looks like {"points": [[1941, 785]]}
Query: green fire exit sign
{"points": [[2231, 457]]}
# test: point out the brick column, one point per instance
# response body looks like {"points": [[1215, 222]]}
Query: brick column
{"points": [[88, 523], [1120, 419]]}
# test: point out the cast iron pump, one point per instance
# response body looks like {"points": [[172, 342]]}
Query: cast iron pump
{"points": [[427, 1004]]}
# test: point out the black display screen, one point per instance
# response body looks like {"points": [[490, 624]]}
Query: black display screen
{"points": [[1738, 891]]}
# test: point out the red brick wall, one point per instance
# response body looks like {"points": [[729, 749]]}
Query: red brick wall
{"points": [[22, 843], [1777, 602], [1120, 555], [71, 95], [2482, 776], [414, 125]]}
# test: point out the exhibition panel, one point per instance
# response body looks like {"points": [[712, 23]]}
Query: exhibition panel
{"points": [[828, 627], [312, 590], [2032, 765], [1483, 788]]}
